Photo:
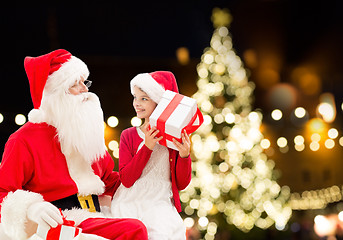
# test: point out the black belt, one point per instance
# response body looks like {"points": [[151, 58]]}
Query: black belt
{"points": [[90, 202]]}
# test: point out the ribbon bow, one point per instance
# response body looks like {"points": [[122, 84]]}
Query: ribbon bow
{"points": [[54, 233]]}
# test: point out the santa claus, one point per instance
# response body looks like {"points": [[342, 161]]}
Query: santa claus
{"points": [[58, 160]]}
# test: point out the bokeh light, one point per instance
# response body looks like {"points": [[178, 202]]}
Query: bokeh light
{"points": [[324, 226], [314, 146], [267, 77], [299, 140], [306, 80], [113, 144], [282, 96], [327, 107], [316, 125], [112, 121], [333, 133], [276, 114], [299, 147], [300, 112], [281, 142], [326, 111], [136, 122], [315, 137], [329, 143], [182, 55], [265, 143], [20, 119]]}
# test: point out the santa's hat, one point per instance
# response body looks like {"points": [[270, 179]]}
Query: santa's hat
{"points": [[52, 71], [155, 84]]}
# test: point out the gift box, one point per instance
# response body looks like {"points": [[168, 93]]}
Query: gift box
{"points": [[174, 114], [65, 231]]}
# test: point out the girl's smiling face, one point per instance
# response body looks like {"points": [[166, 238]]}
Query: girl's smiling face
{"points": [[142, 103]]}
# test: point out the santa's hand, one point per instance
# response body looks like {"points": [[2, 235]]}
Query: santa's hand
{"points": [[45, 214]]}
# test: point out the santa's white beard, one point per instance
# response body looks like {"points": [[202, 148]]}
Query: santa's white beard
{"points": [[79, 123]]}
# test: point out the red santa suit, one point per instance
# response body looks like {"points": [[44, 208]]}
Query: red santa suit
{"points": [[35, 169], [37, 145]]}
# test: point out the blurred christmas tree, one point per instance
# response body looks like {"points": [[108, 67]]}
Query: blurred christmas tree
{"points": [[233, 181]]}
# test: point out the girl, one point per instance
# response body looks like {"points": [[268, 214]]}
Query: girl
{"points": [[151, 174]]}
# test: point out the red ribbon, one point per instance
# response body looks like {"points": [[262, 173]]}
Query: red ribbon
{"points": [[67, 222], [190, 128], [161, 121], [54, 233]]}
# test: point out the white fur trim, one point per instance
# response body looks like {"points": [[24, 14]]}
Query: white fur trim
{"points": [[3, 236], [83, 175], [149, 85], [89, 184], [13, 212], [78, 215], [36, 116], [66, 75]]}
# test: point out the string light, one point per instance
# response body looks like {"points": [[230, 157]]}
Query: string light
{"points": [[299, 142], [316, 199]]}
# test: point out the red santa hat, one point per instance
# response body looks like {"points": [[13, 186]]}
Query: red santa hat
{"points": [[155, 84], [58, 68]]}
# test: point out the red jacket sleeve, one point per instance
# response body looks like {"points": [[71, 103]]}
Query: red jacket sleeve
{"points": [[131, 164], [109, 177], [183, 171]]}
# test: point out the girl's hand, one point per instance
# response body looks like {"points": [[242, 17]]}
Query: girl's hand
{"points": [[150, 137], [184, 147]]}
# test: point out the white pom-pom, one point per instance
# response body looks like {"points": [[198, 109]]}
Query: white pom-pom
{"points": [[36, 116]]}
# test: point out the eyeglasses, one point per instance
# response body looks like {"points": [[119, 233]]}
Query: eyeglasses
{"points": [[88, 83], [79, 85]]}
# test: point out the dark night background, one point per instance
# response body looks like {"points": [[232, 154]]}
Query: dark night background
{"points": [[119, 40]]}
